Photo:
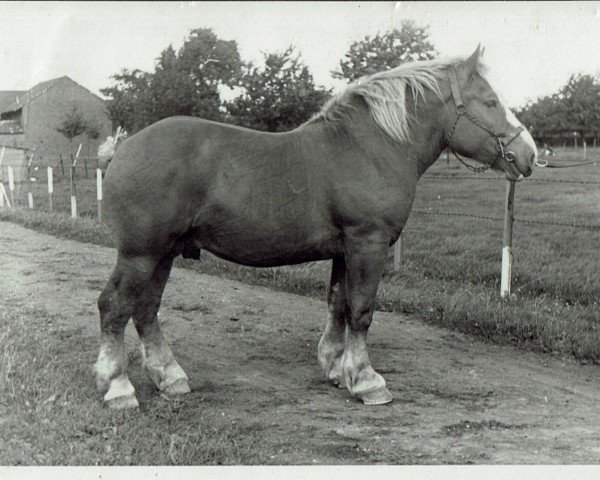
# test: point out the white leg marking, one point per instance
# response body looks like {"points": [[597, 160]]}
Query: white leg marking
{"points": [[119, 387], [121, 393], [330, 350], [362, 381], [330, 359], [161, 366], [106, 366]]}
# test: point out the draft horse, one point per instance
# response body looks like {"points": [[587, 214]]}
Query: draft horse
{"points": [[339, 187]]}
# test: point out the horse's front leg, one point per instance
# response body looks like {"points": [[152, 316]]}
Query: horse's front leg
{"points": [[365, 260], [333, 341]]}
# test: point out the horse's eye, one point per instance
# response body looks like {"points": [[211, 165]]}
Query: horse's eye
{"points": [[491, 103]]}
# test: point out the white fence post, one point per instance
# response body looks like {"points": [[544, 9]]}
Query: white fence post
{"points": [[28, 180], [11, 184], [50, 187], [73, 192], [99, 192], [507, 243], [2, 190]]}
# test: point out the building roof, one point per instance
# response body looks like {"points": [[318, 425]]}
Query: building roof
{"points": [[7, 97], [29, 95], [25, 97]]}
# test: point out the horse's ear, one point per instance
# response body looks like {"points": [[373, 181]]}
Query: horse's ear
{"points": [[473, 61]]}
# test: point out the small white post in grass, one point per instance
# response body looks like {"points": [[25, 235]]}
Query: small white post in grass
{"points": [[73, 206], [50, 187], [507, 243], [99, 192], [73, 194], [2, 189], [11, 184], [584, 150], [4, 196], [29, 192], [398, 254]]}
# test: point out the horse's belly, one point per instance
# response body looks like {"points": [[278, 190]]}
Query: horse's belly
{"points": [[269, 249]]}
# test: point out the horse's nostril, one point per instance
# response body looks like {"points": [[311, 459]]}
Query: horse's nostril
{"points": [[528, 172]]}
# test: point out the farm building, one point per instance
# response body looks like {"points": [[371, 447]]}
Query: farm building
{"points": [[17, 158], [29, 120]]}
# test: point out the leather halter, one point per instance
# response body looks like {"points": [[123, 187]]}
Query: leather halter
{"points": [[461, 111]]}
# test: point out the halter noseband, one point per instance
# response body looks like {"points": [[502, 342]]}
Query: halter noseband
{"points": [[461, 111]]}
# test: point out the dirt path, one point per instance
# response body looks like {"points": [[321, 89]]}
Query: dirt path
{"points": [[250, 354]]}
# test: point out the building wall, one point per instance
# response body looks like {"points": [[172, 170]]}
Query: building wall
{"points": [[15, 140], [17, 159], [45, 113]]}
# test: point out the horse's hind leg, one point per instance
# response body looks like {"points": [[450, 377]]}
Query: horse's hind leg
{"points": [[331, 345], [159, 362], [116, 304]]}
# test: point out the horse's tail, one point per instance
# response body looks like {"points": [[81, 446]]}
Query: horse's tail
{"points": [[108, 148]]}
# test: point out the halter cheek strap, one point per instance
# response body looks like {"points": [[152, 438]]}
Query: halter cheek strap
{"points": [[455, 87], [461, 111]]}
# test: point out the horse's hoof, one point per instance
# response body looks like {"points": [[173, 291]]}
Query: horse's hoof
{"points": [[121, 393], [123, 403], [180, 387], [380, 396]]}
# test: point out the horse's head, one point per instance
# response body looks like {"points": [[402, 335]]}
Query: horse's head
{"points": [[479, 126]]}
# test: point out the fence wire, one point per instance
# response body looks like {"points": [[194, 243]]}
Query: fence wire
{"points": [[498, 219], [499, 179]]}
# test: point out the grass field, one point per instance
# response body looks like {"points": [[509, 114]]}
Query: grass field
{"points": [[450, 263], [50, 414]]}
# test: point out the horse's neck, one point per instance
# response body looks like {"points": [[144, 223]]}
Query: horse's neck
{"points": [[428, 143], [419, 153]]}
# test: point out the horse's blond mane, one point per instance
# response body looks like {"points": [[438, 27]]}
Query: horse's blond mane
{"points": [[385, 94]]}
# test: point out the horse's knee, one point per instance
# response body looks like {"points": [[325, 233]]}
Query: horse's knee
{"points": [[362, 316]]}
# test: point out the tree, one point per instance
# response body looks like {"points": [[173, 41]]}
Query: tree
{"points": [[580, 98], [544, 118], [278, 96], [127, 102], [185, 82], [382, 52], [92, 130], [574, 108], [72, 125]]}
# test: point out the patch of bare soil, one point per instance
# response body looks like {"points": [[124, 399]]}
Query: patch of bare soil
{"points": [[250, 354]]}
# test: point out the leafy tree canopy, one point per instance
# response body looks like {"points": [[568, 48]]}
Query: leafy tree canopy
{"points": [[73, 124], [382, 52], [185, 82], [278, 96], [574, 108]]}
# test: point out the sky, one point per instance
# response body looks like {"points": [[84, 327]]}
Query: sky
{"points": [[532, 48]]}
